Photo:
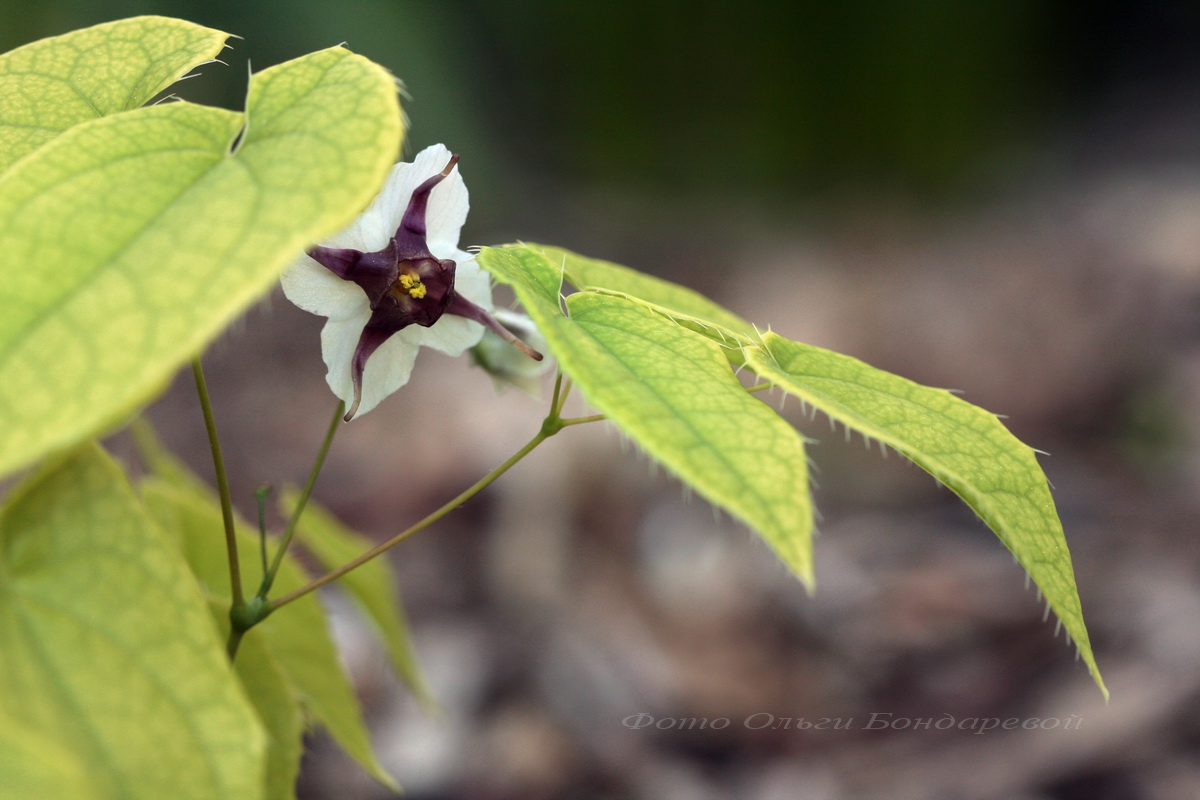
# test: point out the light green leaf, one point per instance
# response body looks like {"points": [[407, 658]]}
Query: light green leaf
{"points": [[371, 585], [297, 636], [130, 241], [678, 303], [278, 707], [107, 648], [53, 84], [961, 445], [34, 766], [673, 393], [592, 273], [537, 280]]}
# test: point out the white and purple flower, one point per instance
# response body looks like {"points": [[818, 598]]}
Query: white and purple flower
{"points": [[395, 280]]}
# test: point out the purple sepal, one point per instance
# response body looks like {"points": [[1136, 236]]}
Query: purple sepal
{"points": [[374, 272], [368, 342], [405, 285]]}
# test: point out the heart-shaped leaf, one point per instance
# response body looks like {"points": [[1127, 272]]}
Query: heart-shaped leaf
{"points": [[108, 649], [128, 242], [52, 84]]}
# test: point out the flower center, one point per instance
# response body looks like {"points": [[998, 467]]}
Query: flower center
{"points": [[420, 293], [411, 283]]}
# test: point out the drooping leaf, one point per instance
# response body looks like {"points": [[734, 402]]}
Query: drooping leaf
{"points": [[52, 84], [107, 648], [278, 708], [297, 636], [131, 240], [961, 445], [371, 586], [673, 393]]}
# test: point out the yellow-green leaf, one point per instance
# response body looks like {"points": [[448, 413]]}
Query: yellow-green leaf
{"points": [[592, 273], [107, 648], [34, 766], [297, 636], [371, 586], [130, 241], [52, 84], [278, 708], [678, 303], [672, 391], [961, 445]]}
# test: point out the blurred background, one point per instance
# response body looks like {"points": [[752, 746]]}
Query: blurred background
{"points": [[1000, 197]]}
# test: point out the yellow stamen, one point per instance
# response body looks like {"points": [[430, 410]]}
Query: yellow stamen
{"points": [[412, 284]]}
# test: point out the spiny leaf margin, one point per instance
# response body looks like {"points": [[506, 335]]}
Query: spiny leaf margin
{"points": [[673, 393], [593, 274], [963, 446], [56, 83]]}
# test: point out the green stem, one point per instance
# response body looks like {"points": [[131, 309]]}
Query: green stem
{"points": [[235, 639], [260, 499], [582, 420], [214, 444], [290, 532], [554, 407], [562, 400], [482, 484]]}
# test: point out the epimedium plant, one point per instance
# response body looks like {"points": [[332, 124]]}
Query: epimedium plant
{"points": [[152, 643]]}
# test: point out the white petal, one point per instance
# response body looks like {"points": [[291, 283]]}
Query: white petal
{"points": [[338, 340], [372, 228], [447, 210], [451, 334], [445, 213], [318, 291], [473, 283], [387, 369]]}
